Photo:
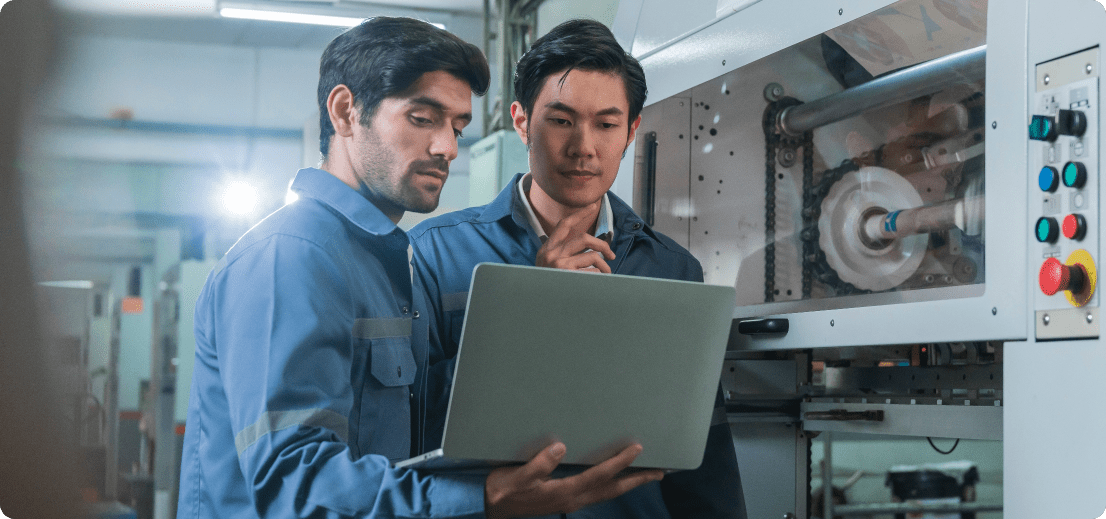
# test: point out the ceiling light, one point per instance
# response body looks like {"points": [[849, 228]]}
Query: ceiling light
{"points": [[240, 198], [154, 8], [75, 283], [279, 16], [293, 17]]}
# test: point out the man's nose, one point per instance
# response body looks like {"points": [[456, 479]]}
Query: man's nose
{"points": [[444, 143], [582, 142]]}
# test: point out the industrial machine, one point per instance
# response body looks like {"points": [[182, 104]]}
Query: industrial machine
{"points": [[905, 195], [174, 356]]}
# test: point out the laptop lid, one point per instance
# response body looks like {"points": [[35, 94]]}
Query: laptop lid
{"points": [[597, 361]]}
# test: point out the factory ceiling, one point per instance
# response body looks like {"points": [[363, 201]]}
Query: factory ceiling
{"points": [[202, 23], [100, 196]]}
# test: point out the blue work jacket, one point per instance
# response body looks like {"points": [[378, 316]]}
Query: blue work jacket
{"points": [[310, 374], [447, 248]]}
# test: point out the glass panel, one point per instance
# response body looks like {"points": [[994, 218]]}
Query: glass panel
{"points": [[851, 163]]}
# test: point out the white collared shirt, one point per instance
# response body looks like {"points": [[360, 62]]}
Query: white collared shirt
{"points": [[604, 223]]}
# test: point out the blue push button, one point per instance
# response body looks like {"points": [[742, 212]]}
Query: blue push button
{"points": [[1049, 179]]}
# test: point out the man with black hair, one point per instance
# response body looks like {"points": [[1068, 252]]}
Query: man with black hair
{"points": [[578, 96], [311, 358]]}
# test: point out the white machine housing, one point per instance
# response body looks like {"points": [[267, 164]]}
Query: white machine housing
{"points": [[708, 78]]}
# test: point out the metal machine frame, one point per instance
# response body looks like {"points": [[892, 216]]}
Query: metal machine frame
{"points": [[732, 42]]}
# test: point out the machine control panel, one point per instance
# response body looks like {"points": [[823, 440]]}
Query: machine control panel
{"points": [[1065, 154]]}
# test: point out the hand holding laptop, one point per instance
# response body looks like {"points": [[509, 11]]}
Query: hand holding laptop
{"points": [[570, 249], [527, 490], [511, 399]]}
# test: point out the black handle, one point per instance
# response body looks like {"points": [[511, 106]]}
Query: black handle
{"points": [[1071, 122], [650, 184], [776, 326]]}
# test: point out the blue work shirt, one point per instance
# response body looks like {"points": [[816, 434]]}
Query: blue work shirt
{"points": [[310, 374], [447, 248]]}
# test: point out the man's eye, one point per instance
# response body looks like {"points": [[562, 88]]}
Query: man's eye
{"points": [[458, 133], [422, 121], [608, 126], [560, 122]]}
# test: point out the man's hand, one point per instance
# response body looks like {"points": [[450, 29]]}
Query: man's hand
{"points": [[528, 490], [570, 249]]}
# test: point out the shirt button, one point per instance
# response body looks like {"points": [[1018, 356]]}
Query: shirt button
{"points": [[416, 314], [636, 226], [405, 310]]}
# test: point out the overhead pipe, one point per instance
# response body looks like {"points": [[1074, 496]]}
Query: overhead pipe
{"points": [[922, 79]]}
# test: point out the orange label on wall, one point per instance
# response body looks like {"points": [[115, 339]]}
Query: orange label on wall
{"points": [[132, 305]]}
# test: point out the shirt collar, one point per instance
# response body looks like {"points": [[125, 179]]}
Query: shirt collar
{"points": [[604, 224], [326, 188]]}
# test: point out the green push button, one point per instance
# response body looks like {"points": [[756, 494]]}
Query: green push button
{"points": [[1047, 230], [1075, 175], [1042, 128]]}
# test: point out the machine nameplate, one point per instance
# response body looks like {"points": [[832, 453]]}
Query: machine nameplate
{"points": [[1070, 323], [1068, 69]]}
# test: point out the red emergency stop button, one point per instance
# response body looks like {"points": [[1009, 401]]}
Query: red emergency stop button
{"points": [[1056, 276], [1074, 227]]}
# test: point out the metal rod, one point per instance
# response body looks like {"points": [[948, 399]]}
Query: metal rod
{"points": [[827, 476], [649, 188], [880, 228], [111, 409], [922, 79], [914, 507], [486, 117], [503, 42]]}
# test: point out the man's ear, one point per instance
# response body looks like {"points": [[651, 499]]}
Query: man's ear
{"points": [[633, 130], [342, 108], [521, 122]]}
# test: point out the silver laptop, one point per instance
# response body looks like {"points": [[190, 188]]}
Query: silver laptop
{"points": [[597, 361]]}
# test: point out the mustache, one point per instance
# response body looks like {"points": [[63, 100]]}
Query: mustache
{"points": [[432, 164]]}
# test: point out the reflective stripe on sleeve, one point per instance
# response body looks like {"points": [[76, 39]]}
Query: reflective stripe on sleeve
{"points": [[220, 265], [273, 421], [454, 301], [381, 328]]}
